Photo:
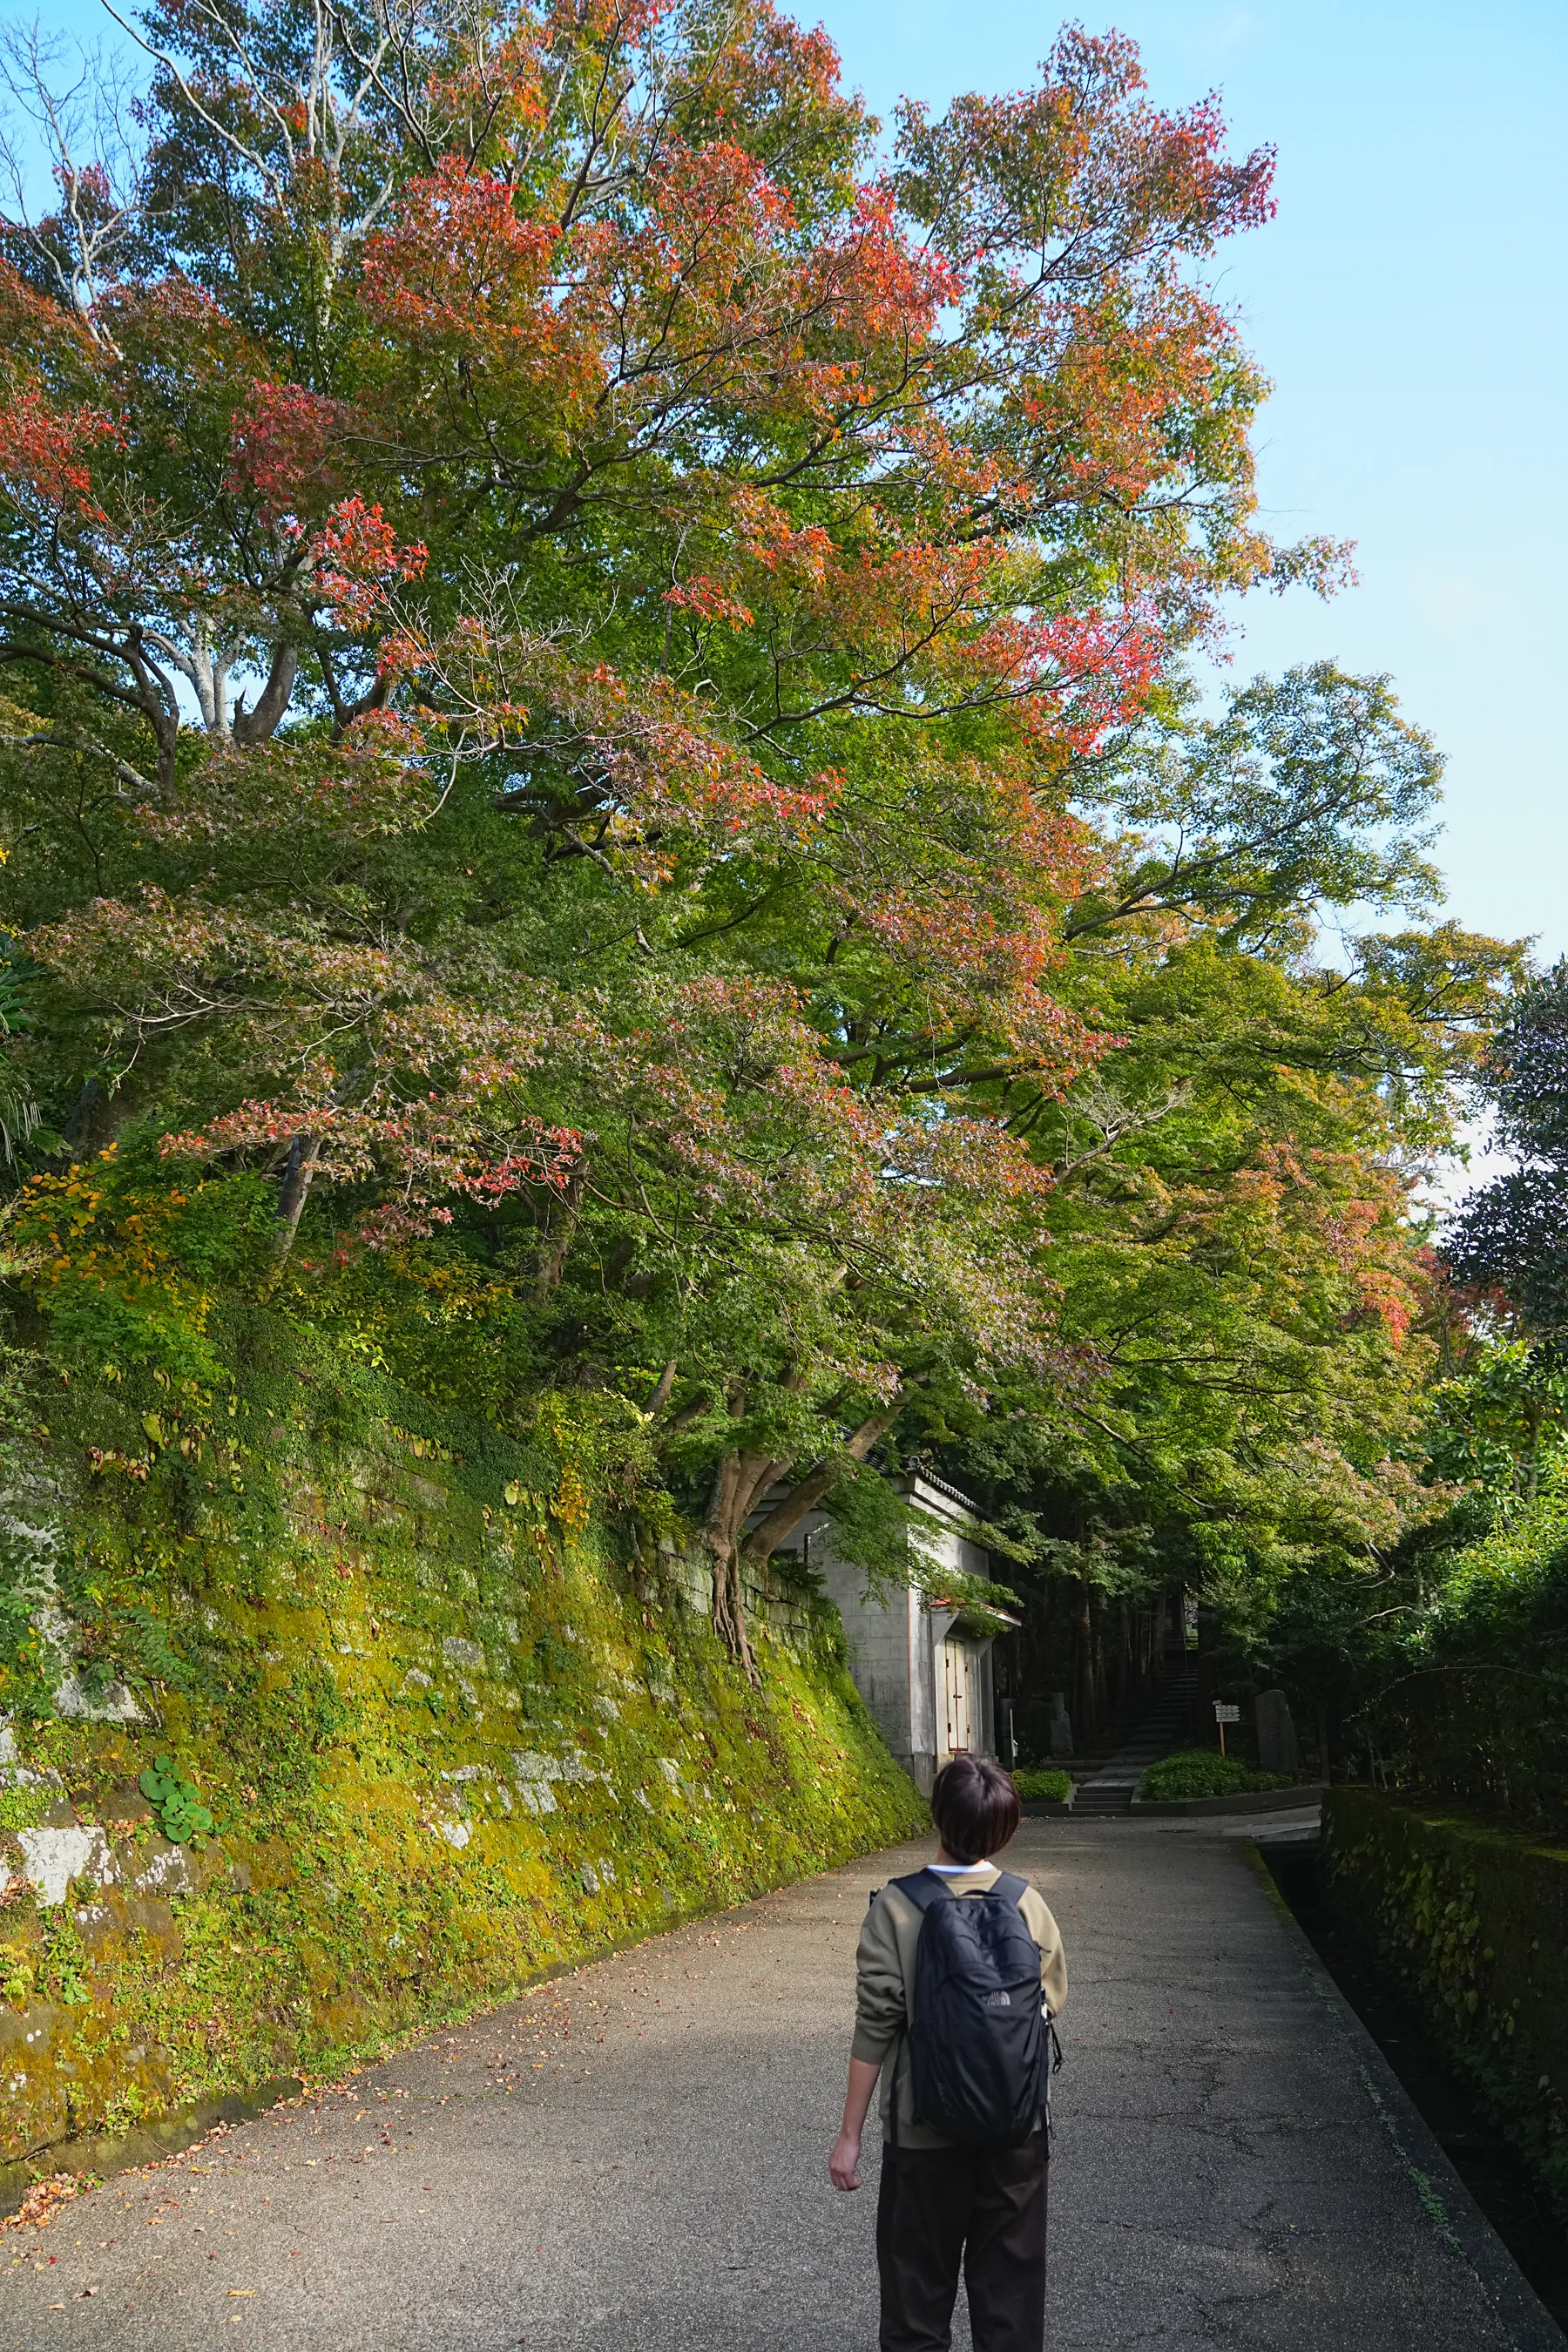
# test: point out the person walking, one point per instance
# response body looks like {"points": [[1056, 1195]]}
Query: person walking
{"points": [[959, 1972]]}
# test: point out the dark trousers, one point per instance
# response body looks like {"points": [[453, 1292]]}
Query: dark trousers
{"points": [[941, 2206]]}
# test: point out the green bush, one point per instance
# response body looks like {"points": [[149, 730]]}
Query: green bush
{"points": [[1194, 1772], [1041, 1786]]}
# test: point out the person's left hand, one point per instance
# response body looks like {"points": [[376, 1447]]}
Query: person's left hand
{"points": [[843, 2163]]}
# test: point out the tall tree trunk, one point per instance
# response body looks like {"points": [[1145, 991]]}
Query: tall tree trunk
{"points": [[737, 1483], [260, 725], [1083, 1646]]}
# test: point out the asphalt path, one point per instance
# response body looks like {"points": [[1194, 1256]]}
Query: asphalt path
{"points": [[636, 2157]]}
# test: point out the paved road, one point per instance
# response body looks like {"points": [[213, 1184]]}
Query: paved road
{"points": [[636, 2157]]}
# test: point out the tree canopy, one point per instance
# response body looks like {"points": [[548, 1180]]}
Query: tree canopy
{"points": [[597, 694]]}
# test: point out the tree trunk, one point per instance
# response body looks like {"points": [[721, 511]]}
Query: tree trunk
{"points": [[260, 725], [785, 1517], [557, 1240], [740, 1482], [1083, 1644], [298, 1170], [737, 1483]]}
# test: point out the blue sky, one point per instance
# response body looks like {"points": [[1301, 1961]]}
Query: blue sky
{"points": [[1409, 302]]}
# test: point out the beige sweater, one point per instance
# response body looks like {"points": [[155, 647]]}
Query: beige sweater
{"points": [[884, 1985]]}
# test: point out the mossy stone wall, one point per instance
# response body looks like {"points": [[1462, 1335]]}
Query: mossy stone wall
{"points": [[1471, 1921], [449, 1742]]}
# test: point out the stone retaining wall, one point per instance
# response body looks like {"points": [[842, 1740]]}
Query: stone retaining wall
{"points": [[449, 1742], [1471, 1922]]}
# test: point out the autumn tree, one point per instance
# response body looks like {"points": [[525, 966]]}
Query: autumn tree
{"points": [[567, 608]]}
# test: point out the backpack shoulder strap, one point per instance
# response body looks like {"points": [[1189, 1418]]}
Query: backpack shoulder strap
{"points": [[1010, 1886], [923, 1888]]}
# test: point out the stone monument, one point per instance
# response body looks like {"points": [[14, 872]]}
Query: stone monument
{"points": [[1276, 1732]]}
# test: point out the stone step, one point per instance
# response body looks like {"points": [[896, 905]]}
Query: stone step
{"points": [[1163, 1725]]}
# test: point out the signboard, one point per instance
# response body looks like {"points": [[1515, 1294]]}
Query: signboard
{"points": [[1223, 1714]]}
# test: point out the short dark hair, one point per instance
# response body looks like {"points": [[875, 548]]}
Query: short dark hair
{"points": [[976, 1808]]}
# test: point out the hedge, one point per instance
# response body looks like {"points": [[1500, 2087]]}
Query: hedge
{"points": [[1194, 1773]]}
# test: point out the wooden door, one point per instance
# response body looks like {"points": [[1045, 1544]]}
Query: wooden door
{"points": [[957, 1695]]}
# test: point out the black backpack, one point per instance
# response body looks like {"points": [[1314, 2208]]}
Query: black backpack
{"points": [[979, 2042]]}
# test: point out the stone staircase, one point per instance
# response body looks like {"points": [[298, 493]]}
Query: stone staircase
{"points": [[1166, 1723]]}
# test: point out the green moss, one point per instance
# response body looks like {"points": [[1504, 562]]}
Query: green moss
{"points": [[1471, 1921], [447, 1739]]}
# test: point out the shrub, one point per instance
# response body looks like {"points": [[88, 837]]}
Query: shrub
{"points": [[1196, 1772], [1042, 1786]]}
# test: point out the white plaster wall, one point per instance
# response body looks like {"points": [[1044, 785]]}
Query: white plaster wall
{"points": [[892, 1644], [881, 1641]]}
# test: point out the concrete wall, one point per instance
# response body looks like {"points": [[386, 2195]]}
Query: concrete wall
{"points": [[894, 1641]]}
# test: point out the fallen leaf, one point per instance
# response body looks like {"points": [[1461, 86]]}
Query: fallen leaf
{"points": [[38, 2207]]}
